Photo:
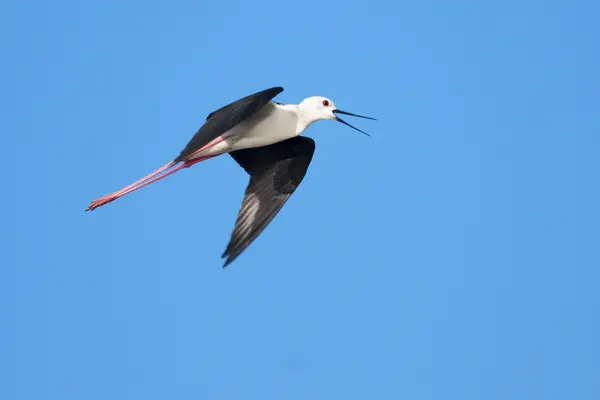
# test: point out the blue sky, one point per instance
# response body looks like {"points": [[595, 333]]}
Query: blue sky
{"points": [[453, 255]]}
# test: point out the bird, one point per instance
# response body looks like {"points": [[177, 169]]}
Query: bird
{"points": [[264, 138]]}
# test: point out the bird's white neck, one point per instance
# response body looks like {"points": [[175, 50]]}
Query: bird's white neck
{"points": [[305, 118]]}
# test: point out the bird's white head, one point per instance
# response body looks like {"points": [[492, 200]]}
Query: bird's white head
{"points": [[319, 108]]}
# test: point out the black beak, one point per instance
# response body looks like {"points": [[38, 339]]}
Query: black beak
{"points": [[353, 115]]}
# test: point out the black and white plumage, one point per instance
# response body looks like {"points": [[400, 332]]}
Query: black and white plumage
{"points": [[275, 172], [262, 136], [222, 120]]}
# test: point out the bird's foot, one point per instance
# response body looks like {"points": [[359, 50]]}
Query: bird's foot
{"points": [[100, 202]]}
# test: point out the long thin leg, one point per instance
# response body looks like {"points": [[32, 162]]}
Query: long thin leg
{"points": [[132, 188], [112, 196], [152, 177]]}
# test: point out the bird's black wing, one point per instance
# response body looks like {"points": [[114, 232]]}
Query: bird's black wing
{"points": [[275, 173], [226, 117]]}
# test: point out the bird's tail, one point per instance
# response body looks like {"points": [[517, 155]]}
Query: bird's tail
{"points": [[157, 175]]}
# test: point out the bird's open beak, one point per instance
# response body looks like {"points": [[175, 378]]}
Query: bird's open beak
{"points": [[336, 111]]}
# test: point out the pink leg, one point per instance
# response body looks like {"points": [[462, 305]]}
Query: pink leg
{"points": [[110, 197], [153, 177], [158, 178], [132, 188], [210, 144], [158, 171]]}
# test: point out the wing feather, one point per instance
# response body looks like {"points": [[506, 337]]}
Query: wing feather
{"points": [[275, 173], [220, 121]]}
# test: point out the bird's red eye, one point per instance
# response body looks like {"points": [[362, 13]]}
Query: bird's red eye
{"points": [[325, 103]]}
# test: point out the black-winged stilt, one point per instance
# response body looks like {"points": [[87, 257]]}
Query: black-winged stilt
{"points": [[263, 137]]}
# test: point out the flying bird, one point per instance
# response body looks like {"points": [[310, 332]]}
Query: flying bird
{"points": [[263, 137]]}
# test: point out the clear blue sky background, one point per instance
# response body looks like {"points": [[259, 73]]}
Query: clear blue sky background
{"points": [[454, 255]]}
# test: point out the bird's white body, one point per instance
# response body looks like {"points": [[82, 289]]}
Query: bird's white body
{"points": [[272, 124]]}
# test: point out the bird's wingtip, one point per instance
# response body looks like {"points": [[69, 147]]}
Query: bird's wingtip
{"points": [[227, 257], [276, 89]]}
